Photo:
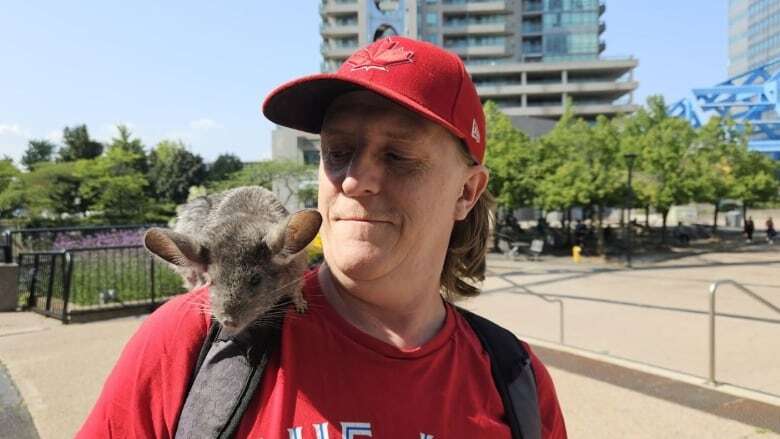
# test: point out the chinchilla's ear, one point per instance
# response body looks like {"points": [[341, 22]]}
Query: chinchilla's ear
{"points": [[294, 235], [175, 248]]}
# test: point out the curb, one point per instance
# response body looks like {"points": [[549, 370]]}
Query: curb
{"points": [[738, 404], [15, 419]]}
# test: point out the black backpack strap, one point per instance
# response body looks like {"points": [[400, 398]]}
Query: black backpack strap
{"points": [[226, 377], [512, 374]]}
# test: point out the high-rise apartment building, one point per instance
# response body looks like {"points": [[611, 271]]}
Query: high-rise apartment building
{"points": [[528, 56], [754, 34]]}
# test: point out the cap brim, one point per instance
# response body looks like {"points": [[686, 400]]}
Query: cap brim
{"points": [[301, 104]]}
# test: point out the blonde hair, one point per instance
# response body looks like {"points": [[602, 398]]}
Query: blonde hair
{"points": [[465, 259]]}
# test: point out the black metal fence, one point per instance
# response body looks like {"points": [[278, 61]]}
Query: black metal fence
{"points": [[6, 250], [117, 276], [43, 282], [64, 284]]}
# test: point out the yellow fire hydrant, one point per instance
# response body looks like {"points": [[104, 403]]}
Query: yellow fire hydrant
{"points": [[576, 253]]}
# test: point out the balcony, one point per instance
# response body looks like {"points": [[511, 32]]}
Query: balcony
{"points": [[487, 50], [337, 30], [476, 6], [469, 29], [533, 8], [339, 7], [531, 28], [604, 90], [338, 51], [556, 110], [532, 49]]}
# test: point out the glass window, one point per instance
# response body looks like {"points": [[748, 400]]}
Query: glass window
{"points": [[311, 157], [431, 18]]}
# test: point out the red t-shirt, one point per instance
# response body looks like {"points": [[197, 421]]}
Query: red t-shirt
{"points": [[328, 380]]}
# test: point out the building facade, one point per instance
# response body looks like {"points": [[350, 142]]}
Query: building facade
{"points": [[528, 56], [754, 34]]}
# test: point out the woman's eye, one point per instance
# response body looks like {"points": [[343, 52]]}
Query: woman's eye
{"points": [[395, 157], [337, 156]]}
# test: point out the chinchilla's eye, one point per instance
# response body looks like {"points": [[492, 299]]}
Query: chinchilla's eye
{"points": [[256, 279]]}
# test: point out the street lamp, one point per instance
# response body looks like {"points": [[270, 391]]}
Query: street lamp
{"points": [[630, 159]]}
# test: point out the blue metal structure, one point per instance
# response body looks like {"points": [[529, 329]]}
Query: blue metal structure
{"points": [[750, 98]]}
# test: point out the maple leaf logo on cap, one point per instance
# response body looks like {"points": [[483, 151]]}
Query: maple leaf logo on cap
{"points": [[380, 56]]}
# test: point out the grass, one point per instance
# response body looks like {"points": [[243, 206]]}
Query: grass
{"points": [[127, 272]]}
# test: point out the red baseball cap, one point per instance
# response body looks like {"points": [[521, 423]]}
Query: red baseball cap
{"points": [[422, 77]]}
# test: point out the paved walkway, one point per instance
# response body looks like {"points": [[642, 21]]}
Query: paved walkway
{"points": [[59, 369], [654, 314]]}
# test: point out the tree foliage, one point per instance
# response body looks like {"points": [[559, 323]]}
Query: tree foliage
{"points": [[78, 144], [286, 178], [113, 186], [223, 167], [133, 147], [509, 156], [581, 163], [173, 169], [38, 151]]}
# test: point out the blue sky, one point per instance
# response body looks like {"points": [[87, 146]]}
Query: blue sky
{"points": [[199, 70]]}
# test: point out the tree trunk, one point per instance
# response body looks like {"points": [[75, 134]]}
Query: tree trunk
{"points": [[715, 218], [495, 248], [567, 228], [600, 231], [664, 214], [647, 217], [744, 210]]}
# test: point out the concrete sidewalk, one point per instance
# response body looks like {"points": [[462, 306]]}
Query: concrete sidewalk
{"points": [[654, 314], [59, 369]]}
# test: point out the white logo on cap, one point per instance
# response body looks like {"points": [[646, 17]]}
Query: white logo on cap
{"points": [[475, 130]]}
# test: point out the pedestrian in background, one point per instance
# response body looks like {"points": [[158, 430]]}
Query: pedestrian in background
{"points": [[750, 227]]}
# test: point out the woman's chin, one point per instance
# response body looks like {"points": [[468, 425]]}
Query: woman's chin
{"points": [[364, 263]]}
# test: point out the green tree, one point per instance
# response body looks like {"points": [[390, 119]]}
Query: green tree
{"points": [[8, 175], [49, 192], [172, 170], [223, 167], [78, 144], [289, 178], [633, 131], [38, 151], [115, 188], [718, 150], [756, 179], [509, 157], [126, 143], [580, 167], [667, 157]]}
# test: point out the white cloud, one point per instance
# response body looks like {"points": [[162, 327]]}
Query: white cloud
{"points": [[204, 124], [10, 130]]}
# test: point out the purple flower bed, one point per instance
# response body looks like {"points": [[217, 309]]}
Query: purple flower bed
{"points": [[115, 238]]}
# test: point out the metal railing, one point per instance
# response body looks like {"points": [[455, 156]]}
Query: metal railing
{"points": [[6, 248], [713, 292], [714, 288], [64, 283], [44, 282]]}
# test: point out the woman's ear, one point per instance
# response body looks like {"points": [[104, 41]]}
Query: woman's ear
{"points": [[475, 184]]}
